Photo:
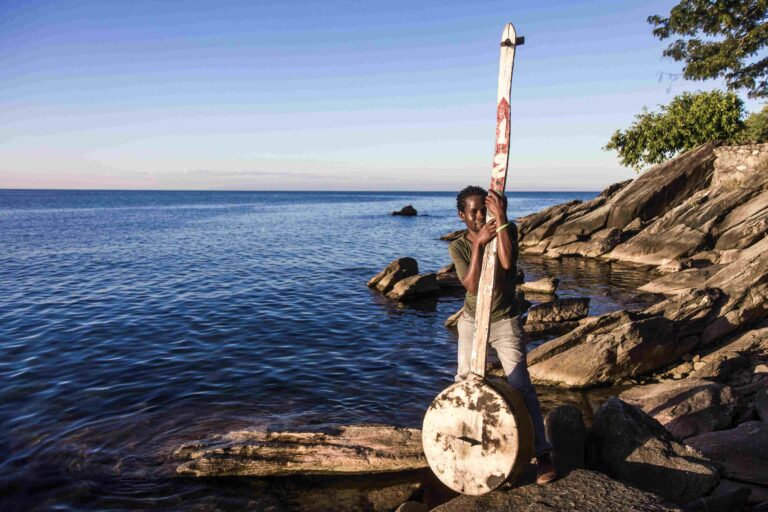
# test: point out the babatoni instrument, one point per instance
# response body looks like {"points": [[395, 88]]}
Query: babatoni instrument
{"points": [[478, 434]]}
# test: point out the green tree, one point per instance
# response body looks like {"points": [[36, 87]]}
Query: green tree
{"points": [[690, 119], [755, 128], [719, 38]]}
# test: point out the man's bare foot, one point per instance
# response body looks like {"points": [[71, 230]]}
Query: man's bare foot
{"points": [[545, 470]]}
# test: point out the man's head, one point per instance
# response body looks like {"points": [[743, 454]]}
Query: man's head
{"points": [[470, 203]]}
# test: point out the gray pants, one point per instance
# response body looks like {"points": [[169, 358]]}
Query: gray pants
{"points": [[506, 338]]}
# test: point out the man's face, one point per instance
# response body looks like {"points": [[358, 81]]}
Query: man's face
{"points": [[474, 213]]}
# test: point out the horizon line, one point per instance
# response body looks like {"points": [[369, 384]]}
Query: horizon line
{"points": [[270, 190]]}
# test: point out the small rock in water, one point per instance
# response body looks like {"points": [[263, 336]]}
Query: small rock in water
{"points": [[396, 271], [406, 211], [547, 285]]}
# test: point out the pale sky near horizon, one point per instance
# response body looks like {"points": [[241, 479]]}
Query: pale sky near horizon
{"points": [[320, 95]]}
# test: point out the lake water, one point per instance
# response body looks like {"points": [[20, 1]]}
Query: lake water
{"points": [[131, 322]]}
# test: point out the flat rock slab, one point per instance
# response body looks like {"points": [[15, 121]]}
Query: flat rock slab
{"points": [[346, 450], [679, 282], [580, 490]]}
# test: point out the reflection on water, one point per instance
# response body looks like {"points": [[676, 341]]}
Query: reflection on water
{"points": [[133, 322]]}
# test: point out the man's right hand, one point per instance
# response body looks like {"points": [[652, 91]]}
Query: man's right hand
{"points": [[486, 233]]}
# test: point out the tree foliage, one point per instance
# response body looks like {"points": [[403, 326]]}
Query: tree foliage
{"points": [[719, 38], [755, 128], [689, 120]]}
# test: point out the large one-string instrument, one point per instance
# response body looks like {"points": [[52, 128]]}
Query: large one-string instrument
{"points": [[478, 434]]}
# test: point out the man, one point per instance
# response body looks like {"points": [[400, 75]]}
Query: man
{"points": [[506, 334]]}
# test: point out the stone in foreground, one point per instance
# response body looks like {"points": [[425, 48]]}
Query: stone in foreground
{"points": [[346, 450], [580, 490], [629, 445], [686, 407]]}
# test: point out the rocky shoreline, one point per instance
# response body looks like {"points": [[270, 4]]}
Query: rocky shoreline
{"points": [[688, 428]]}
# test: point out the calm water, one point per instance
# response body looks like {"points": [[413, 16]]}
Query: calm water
{"points": [[131, 322]]}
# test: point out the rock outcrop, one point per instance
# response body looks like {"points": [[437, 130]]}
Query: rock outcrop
{"points": [[670, 215], [624, 344], [632, 447], [346, 450]]}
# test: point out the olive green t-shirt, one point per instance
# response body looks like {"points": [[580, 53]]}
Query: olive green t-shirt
{"points": [[503, 304]]}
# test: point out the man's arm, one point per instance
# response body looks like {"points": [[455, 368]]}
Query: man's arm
{"points": [[506, 245]]}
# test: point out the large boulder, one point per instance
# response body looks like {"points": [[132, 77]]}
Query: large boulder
{"points": [[629, 445], [559, 310], [580, 490], [663, 187], [567, 435], [686, 407], [344, 450], [742, 451], [397, 270]]}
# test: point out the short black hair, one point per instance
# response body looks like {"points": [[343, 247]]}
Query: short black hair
{"points": [[472, 190]]}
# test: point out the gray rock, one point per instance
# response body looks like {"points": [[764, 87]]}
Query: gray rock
{"points": [[559, 310], [663, 187], [567, 434], [580, 490], [679, 282], [414, 287], [623, 345], [407, 211], [344, 450], [397, 270], [745, 282], [742, 452], [629, 445], [686, 407], [720, 365], [599, 243]]}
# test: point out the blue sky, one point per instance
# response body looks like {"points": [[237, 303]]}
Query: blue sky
{"points": [[322, 95]]}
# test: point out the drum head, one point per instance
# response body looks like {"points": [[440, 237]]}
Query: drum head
{"points": [[476, 435]]}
